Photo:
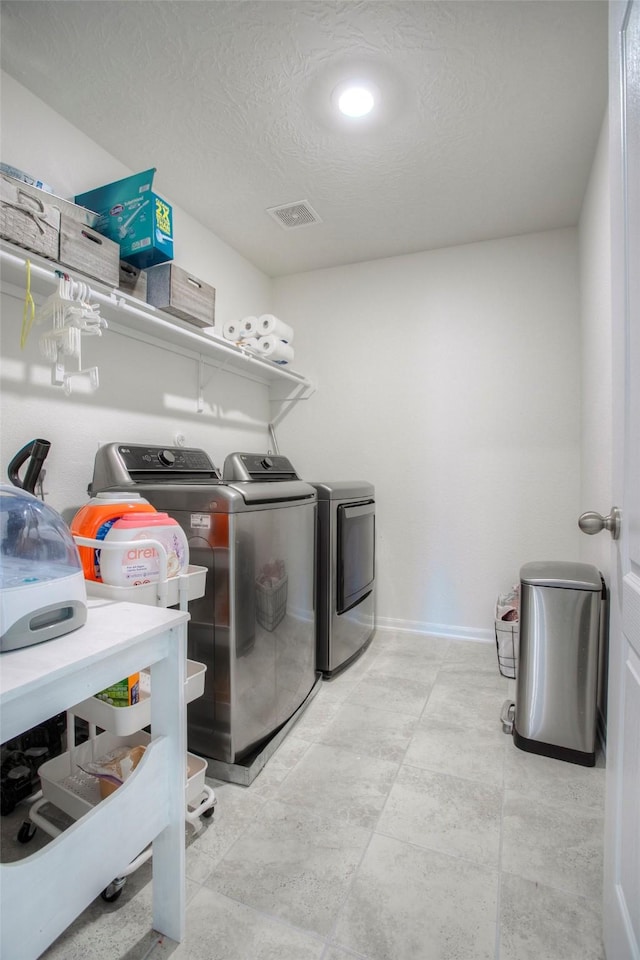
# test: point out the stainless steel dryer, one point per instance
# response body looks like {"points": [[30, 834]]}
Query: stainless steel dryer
{"points": [[345, 603], [254, 627]]}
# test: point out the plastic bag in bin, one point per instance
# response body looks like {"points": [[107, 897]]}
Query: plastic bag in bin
{"points": [[113, 769], [508, 605]]}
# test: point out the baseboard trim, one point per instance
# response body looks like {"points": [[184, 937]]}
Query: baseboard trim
{"points": [[476, 634]]}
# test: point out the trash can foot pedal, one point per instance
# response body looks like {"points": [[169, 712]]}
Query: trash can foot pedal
{"points": [[507, 716]]}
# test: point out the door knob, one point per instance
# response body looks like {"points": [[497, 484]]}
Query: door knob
{"points": [[592, 522]]}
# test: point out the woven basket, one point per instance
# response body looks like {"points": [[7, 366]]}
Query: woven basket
{"points": [[28, 218]]}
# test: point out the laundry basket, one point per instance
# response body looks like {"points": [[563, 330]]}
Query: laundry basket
{"points": [[271, 602], [507, 631], [507, 642]]}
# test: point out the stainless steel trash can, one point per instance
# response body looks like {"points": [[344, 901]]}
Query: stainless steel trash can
{"points": [[556, 692]]}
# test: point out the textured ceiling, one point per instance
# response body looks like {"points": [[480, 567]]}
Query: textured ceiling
{"points": [[489, 119]]}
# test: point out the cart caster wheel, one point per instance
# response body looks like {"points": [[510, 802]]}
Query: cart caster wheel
{"points": [[112, 893], [26, 832], [209, 813]]}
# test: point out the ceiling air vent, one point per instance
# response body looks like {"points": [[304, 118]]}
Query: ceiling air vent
{"points": [[293, 215]]}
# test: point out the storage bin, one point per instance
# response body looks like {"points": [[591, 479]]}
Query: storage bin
{"points": [[133, 281], [29, 218], [75, 792], [124, 721], [148, 592], [84, 249], [74, 211], [171, 288]]}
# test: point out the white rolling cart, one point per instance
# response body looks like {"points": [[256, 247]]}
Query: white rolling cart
{"points": [[64, 781], [44, 892]]}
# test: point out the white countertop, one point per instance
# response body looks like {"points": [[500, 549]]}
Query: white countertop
{"points": [[110, 626]]}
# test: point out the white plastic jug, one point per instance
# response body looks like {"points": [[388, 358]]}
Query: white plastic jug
{"points": [[132, 565]]}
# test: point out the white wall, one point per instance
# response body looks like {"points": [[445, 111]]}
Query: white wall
{"points": [[596, 363], [450, 379], [146, 394]]}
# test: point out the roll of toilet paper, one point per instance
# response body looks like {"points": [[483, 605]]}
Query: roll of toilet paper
{"points": [[231, 331], [274, 349], [268, 325], [250, 343], [249, 327]]}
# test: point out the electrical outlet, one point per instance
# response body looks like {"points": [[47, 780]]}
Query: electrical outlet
{"points": [[180, 439]]}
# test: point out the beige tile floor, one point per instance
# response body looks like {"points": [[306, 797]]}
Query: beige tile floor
{"points": [[395, 822]]}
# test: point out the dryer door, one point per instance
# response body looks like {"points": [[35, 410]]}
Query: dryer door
{"points": [[356, 553]]}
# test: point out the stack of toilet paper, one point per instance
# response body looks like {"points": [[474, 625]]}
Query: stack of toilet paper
{"points": [[266, 336]]}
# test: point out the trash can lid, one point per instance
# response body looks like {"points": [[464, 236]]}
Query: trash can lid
{"points": [[561, 573]]}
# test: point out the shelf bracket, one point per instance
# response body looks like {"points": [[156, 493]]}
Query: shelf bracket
{"points": [[202, 383], [274, 439], [302, 392]]}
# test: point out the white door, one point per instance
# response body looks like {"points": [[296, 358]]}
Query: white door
{"points": [[622, 814]]}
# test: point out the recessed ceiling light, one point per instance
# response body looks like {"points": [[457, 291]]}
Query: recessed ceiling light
{"points": [[356, 101], [355, 98]]}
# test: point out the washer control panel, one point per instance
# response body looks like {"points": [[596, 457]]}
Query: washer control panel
{"points": [[125, 464], [136, 457]]}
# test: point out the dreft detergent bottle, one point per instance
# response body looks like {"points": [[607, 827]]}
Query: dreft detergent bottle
{"points": [[96, 518], [135, 565]]}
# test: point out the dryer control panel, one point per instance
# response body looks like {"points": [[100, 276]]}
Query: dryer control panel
{"points": [[257, 467]]}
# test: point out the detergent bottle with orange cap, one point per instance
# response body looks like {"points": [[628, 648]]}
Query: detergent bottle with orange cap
{"points": [[96, 518]]}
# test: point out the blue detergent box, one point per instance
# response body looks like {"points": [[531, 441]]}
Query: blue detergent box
{"points": [[135, 217]]}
